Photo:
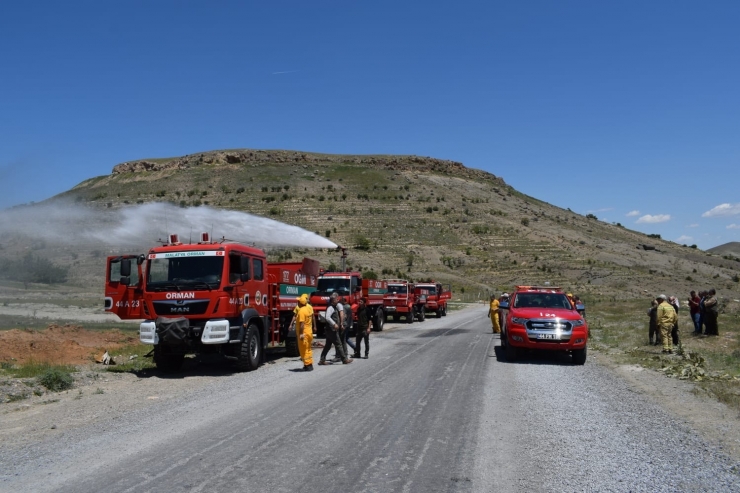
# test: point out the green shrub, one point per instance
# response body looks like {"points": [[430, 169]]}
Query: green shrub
{"points": [[56, 379]]}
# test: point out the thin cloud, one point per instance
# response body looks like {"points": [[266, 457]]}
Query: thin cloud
{"points": [[632, 213], [733, 226], [650, 219], [605, 209], [723, 210], [683, 238], [285, 72], [693, 225]]}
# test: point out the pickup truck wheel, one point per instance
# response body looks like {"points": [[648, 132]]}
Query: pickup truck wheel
{"points": [[291, 347], [167, 362], [250, 352], [511, 353], [379, 321], [422, 314], [579, 356]]}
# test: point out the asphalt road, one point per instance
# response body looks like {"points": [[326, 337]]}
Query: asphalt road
{"points": [[433, 409]]}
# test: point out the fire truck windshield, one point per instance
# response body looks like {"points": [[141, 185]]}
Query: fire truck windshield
{"points": [[541, 300], [397, 289], [331, 284], [184, 273]]}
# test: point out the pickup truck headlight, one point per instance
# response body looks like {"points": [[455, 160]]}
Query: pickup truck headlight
{"points": [[518, 321], [577, 323]]}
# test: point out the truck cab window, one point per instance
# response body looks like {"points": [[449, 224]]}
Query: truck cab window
{"points": [[115, 273], [234, 268], [257, 269]]}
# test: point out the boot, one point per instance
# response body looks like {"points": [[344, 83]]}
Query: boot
{"points": [[347, 361]]}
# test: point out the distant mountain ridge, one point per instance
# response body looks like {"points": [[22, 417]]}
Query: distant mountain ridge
{"points": [[731, 248]]}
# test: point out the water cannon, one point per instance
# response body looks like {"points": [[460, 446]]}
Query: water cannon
{"points": [[343, 257]]}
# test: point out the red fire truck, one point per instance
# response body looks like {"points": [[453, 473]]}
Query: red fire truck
{"points": [[437, 296], [349, 285], [208, 297], [403, 299]]}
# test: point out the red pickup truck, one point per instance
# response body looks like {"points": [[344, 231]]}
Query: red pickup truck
{"points": [[542, 317]]}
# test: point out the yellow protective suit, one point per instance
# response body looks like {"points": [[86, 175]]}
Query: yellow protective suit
{"points": [[304, 326], [666, 317], [493, 313]]}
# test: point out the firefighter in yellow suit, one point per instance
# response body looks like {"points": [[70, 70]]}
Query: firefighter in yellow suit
{"points": [[666, 318], [304, 331], [493, 315]]}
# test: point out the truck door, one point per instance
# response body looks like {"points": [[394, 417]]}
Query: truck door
{"points": [[123, 286], [445, 291]]}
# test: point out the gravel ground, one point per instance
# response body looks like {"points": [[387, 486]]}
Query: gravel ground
{"points": [[434, 409]]}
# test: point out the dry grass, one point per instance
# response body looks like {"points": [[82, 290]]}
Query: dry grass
{"points": [[713, 363]]}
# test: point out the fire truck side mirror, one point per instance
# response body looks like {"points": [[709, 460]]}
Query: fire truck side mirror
{"points": [[125, 268], [244, 268], [125, 280], [358, 289]]}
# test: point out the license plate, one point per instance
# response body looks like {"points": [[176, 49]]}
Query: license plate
{"points": [[545, 336]]}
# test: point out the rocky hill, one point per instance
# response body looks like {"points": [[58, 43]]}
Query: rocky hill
{"points": [[731, 248], [419, 217]]}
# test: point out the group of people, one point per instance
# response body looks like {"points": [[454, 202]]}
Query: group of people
{"points": [[704, 312], [664, 318], [339, 321]]}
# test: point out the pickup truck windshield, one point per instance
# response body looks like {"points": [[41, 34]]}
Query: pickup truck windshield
{"points": [[331, 284], [397, 289], [184, 273], [542, 300]]}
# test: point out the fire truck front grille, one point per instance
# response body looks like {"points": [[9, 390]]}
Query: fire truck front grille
{"points": [[180, 307]]}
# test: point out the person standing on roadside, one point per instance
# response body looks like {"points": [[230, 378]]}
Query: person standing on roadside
{"points": [[666, 318], [694, 301], [304, 331], [347, 325], [674, 331], [333, 324], [364, 326], [711, 309], [653, 332], [493, 315]]}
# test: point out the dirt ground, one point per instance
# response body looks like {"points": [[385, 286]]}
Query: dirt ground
{"points": [[65, 344]]}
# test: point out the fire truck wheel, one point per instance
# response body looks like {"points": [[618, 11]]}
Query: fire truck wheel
{"points": [[410, 316], [379, 321], [511, 353], [422, 314], [291, 347], [444, 311], [439, 313], [579, 356], [167, 362], [251, 350]]}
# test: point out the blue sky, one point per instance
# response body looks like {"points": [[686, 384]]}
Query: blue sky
{"points": [[626, 110]]}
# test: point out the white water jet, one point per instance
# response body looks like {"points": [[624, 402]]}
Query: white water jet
{"points": [[142, 225]]}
